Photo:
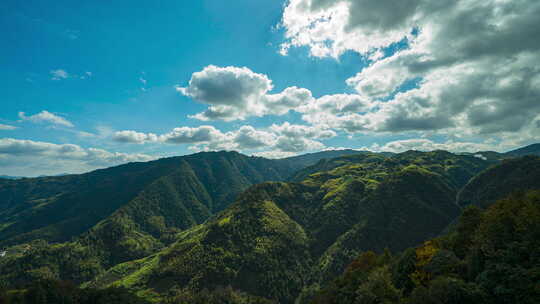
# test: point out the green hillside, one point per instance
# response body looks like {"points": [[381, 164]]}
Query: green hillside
{"points": [[211, 226], [280, 239], [59, 208], [533, 149], [491, 257], [517, 174]]}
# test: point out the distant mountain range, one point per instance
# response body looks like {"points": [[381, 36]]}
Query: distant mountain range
{"points": [[533, 149], [273, 229], [10, 177]]}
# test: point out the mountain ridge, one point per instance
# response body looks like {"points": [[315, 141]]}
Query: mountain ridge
{"points": [[222, 218]]}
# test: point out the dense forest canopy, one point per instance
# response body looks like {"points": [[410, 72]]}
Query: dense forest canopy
{"points": [[212, 227]]}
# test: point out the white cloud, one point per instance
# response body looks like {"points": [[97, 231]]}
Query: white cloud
{"points": [[274, 154], [423, 144], [134, 137], [289, 130], [85, 134], [297, 144], [86, 75], [27, 157], [248, 137], [480, 156], [330, 27], [59, 74], [7, 127], [187, 135], [237, 93], [234, 93], [46, 117], [475, 63], [284, 138]]}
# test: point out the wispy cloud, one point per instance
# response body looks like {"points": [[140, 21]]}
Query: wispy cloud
{"points": [[7, 127], [21, 157], [72, 34], [59, 74], [46, 117], [143, 81], [86, 75]]}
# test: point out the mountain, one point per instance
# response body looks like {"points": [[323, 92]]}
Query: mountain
{"points": [[495, 157], [491, 257], [10, 177], [280, 238], [196, 186], [515, 174], [222, 224], [128, 211], [125, 212], [533, 149], [305, 160], [58, 208]]}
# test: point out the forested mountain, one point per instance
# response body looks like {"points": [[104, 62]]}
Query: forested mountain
{"points": [[58, 208], [493, 156], [518, 174], [178, 230], [10, 177], [305, 160], [490, 257], [280, 239], [533, 149]]}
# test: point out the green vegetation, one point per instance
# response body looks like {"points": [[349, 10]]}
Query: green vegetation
{"points": [[490, 257], [519, 174], [210, 228], [56, 292], [280, 240]]}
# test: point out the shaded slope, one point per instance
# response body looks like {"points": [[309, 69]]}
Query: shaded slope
{"points": [[517, 174], [301, 161], [253, 246], [533, 149], [58, 208], [280, 238], [491, 257]]}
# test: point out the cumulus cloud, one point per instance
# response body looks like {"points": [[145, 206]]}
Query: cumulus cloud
{"points": [[134, 137], [283, 138], [237, 93], [248, 137], [59, 74], [7, 127], [339, 111], [187, 135], [475, 63], [25, 157], [274, 154], [234, 93], [423, 144], [181, 135], [46, 117], [290, 130]]}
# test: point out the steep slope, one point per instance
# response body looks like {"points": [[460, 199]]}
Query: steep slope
{"points": [[517, 174], [59, 208], [278, 239], [118, 214], [253, 246], [491, 257], [309, 159], [533, 149], [10, 177]]}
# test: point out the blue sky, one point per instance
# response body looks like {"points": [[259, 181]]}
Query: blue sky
{"points": [[83, 71]]}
